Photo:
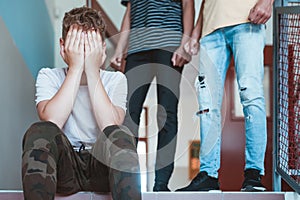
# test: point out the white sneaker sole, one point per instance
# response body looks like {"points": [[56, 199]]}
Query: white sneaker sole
{"points": [[253, 189]]}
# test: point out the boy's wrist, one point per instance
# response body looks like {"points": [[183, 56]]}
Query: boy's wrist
{"points": [[92, 71], [75, 69]]}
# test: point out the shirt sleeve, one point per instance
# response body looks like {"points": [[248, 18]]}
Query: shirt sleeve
{"points": [[118, 95], [124, 2], [45, 86]]}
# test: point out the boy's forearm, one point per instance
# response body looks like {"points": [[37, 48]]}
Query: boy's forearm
{"points": [[187, 19], [59, 107], [104, 111]]}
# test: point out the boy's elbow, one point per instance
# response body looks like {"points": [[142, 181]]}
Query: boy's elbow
{"points": [[45, 117], [120, 121]]}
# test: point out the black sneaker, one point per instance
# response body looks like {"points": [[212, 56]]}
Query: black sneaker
{"points": [[202, 182], [160, 187], [252, 182]]}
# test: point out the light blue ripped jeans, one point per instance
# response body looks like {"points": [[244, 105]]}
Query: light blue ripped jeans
{"points": [[245, 42]]}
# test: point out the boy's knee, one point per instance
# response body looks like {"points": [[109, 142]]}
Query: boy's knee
{"points": [[40, 134], [116, 130], [120, 135]]}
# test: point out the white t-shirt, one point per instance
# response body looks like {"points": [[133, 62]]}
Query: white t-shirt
{"points": [[81, 126]]}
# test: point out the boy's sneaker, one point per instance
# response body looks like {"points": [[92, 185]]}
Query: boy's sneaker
{"points": [[252, 182], [202, 182], [160, 187]]}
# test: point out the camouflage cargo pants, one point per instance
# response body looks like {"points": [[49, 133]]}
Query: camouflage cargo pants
{"points": [[50, 165]]}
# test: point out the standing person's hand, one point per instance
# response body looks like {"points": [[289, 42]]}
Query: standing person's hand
{"points": [[94, 51], [261, 12], [72, 49], [192, 47], [116, 60], [180, 57]]}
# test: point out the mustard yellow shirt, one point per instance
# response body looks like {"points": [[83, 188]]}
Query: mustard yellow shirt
{"points": [[222, 13]]}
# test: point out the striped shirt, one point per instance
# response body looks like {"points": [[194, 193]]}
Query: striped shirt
{"points": [[154, 24]]}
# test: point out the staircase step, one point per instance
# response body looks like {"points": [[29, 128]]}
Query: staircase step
{"points": [[214, 196], [18, 195]]}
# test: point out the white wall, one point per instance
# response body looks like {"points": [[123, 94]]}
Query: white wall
{"points": [[114, 9], [17, 108]]}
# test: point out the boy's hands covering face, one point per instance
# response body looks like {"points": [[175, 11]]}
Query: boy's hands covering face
{"points": [[94, 54], [84, 50], [72, 51]]}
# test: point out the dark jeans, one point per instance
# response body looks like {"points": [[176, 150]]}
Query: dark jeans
{"points": [[50, 165], [140, 70]]}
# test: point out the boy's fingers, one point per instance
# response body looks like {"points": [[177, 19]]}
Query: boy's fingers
{"points": [[99, 36], [62, 52], [99, 39], [90, 40], [73, 36], [86, 43], [81, 41], [67, 42], [78, 38], [94, 38]]}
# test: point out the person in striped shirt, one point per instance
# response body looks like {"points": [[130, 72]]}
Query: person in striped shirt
{"points": [[153, 34]]}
